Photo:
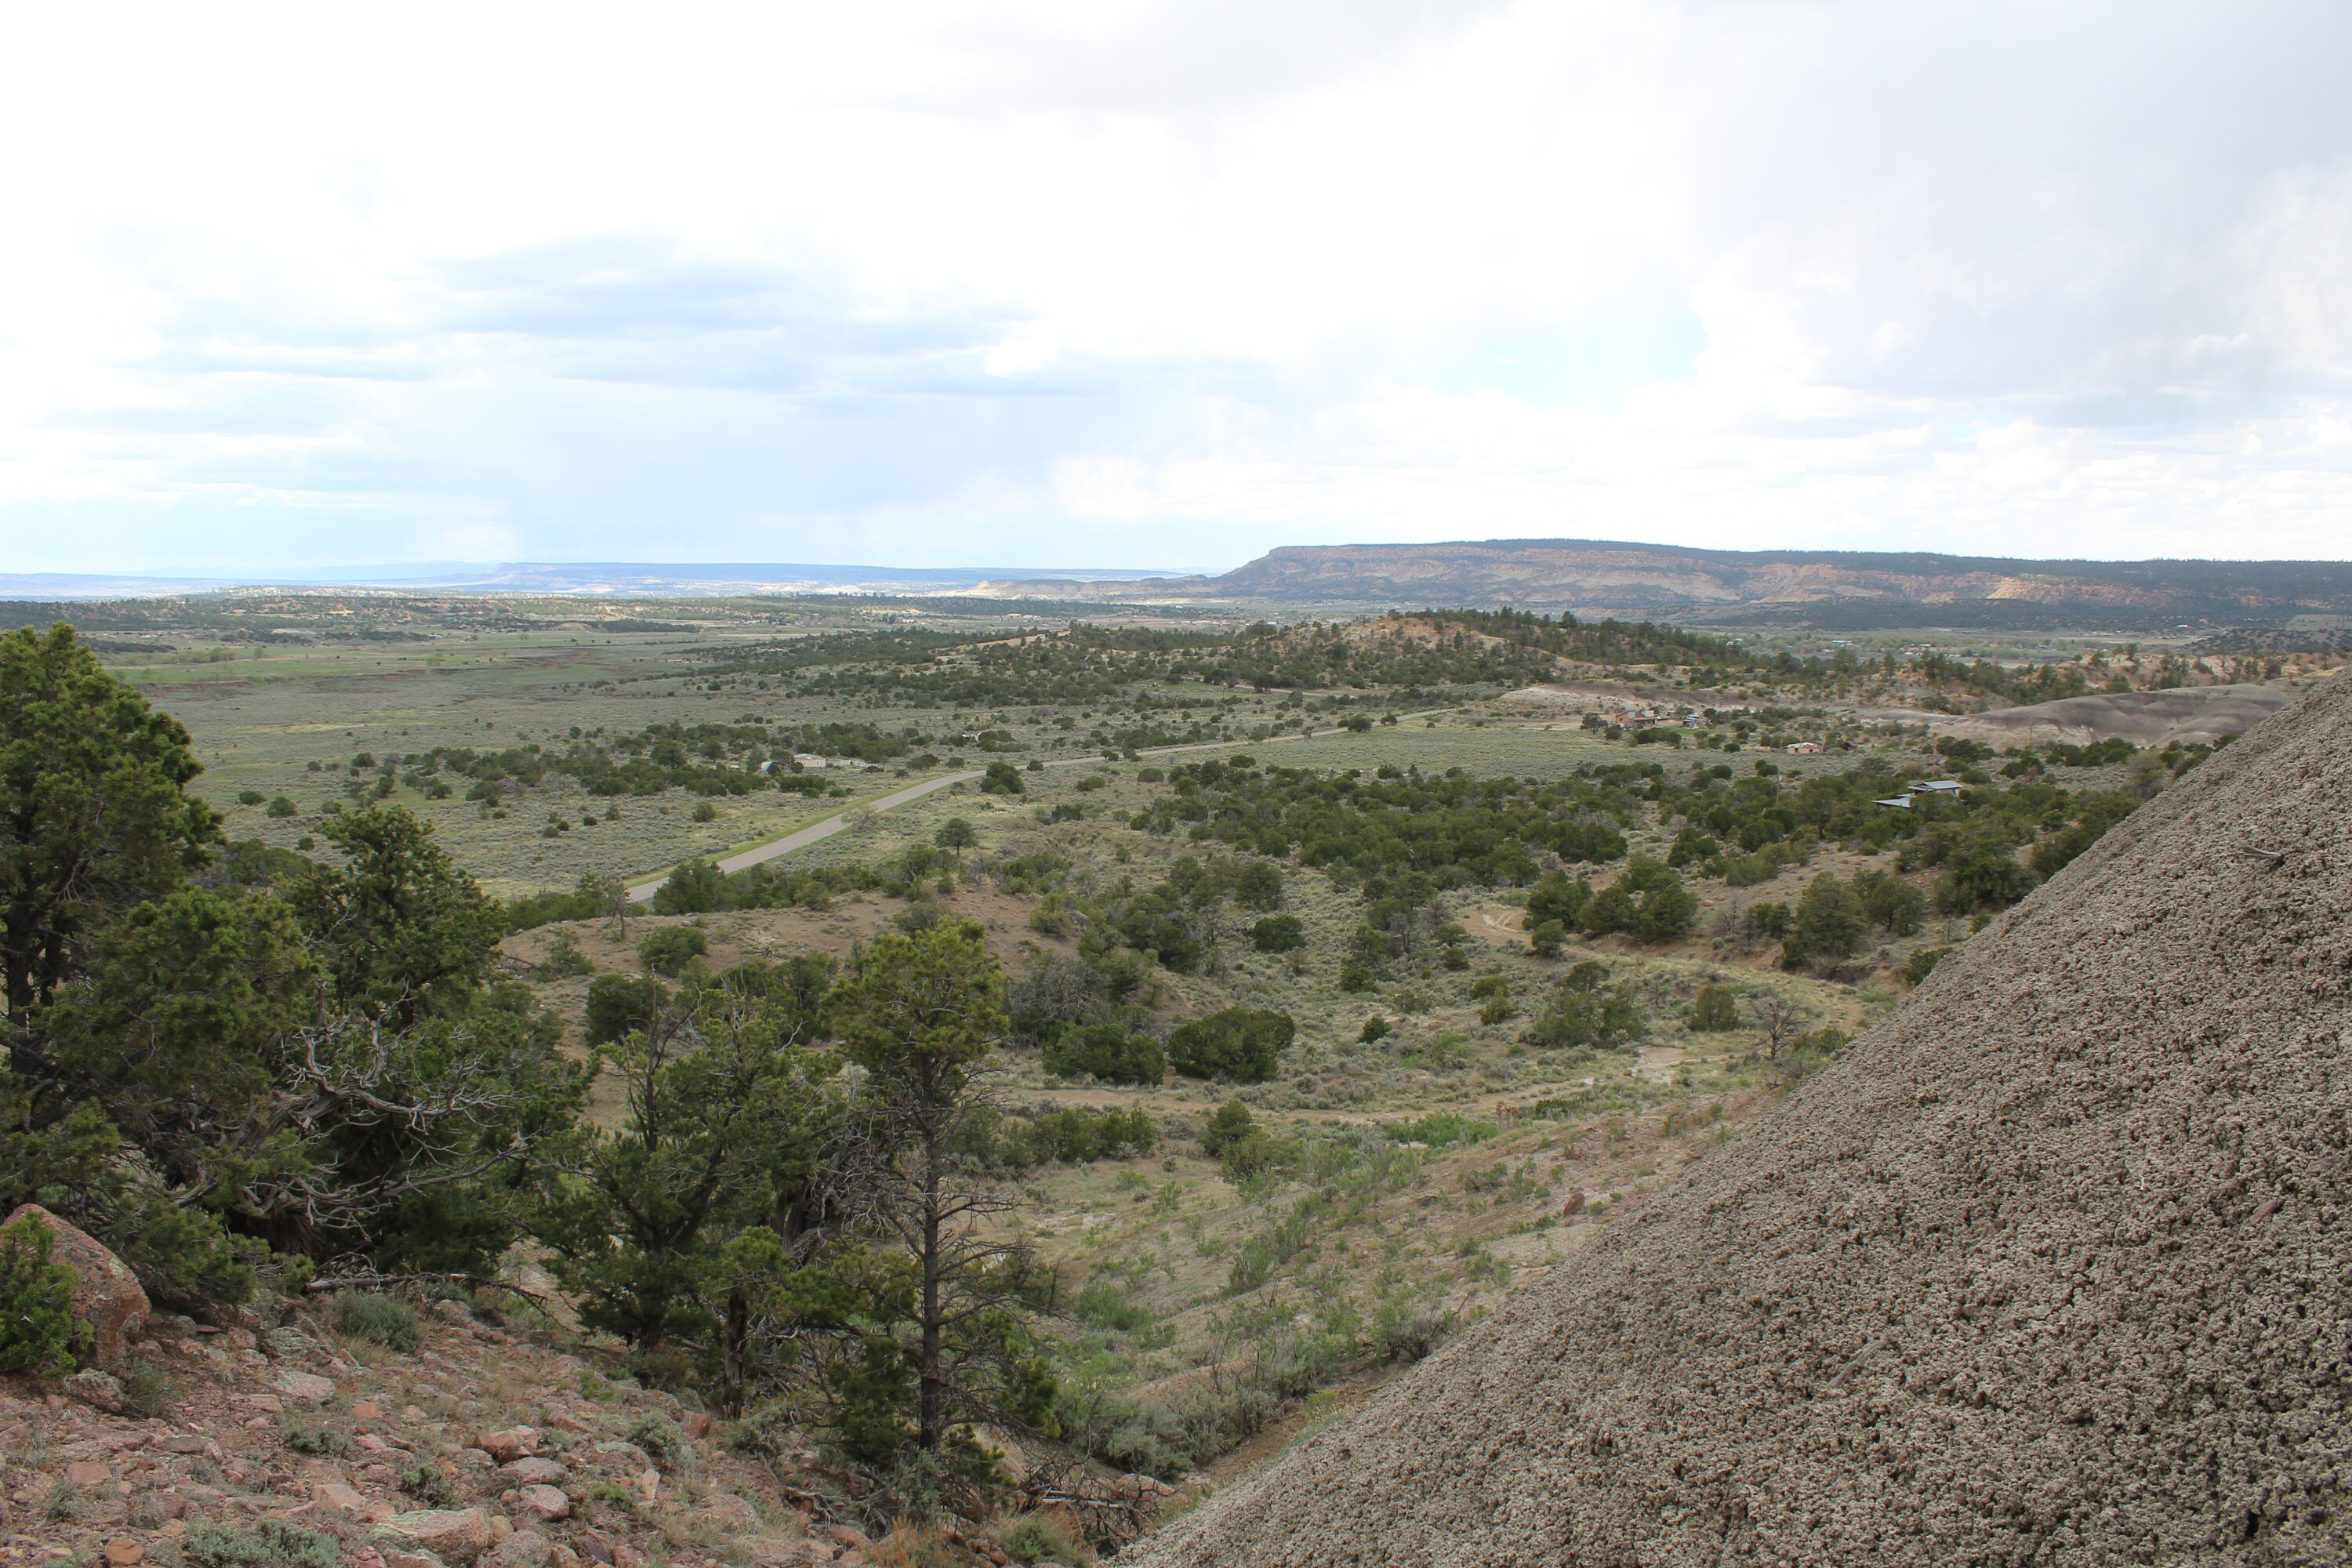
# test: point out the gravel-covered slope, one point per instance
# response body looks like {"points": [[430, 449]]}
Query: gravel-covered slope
{"points": [[2053, 1266]]}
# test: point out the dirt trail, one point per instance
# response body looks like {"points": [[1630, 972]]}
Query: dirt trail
{"points": [[2049, 1267]]}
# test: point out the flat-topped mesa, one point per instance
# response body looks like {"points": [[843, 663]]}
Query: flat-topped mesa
{"points": [[2046, 1267]]}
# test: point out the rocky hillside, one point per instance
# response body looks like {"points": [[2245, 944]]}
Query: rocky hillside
{"points": [[354, 1432], [1828, 587], [2046, 1267]]}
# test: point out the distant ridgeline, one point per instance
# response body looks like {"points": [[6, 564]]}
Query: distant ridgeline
{"points": [[1834, 589]]}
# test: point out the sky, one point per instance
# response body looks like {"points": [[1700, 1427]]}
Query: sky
{"points": [[1134, 284]]}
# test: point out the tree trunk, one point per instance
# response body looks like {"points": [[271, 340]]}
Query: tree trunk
{"points": [[739, 1333], [931, 1429]]}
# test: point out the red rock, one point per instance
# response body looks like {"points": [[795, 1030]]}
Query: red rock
{"points": [[697, 1424], [454, 1535], [513, 1443], [366, 1410], [124, 1553], [547, 1502], [108, 1298], [88, 1473]]}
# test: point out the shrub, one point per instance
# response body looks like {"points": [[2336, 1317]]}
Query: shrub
{"points": [[36, 1321], [1254, 1153], [564, 958], [272, 1543], [1546, 939], [281, 806], [1244, 1043], [1107, 1052], [617, 1005], [660, 1437], [1715, 1010], [371, 1315], [1279, 934], [1105, 1306], [1440, 1128], [1043, 1538], [1557, 899], [1000, 778], [665, 952], [322, 1442], [1229, 1123], [1585, 1018], [1829, 923], [1077, 1135], [1375, 1029], [704, 811], [250, 797], [1923, 962]]}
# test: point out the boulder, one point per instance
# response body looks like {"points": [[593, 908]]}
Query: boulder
{"points": [[349, 1500], [454, 1535], [548, 1502], [306, 1386], [523, 1548], [107, 1297], [94, 1387], [534, 1472], [88, 1473], [513, 1443], [124, 1552]]}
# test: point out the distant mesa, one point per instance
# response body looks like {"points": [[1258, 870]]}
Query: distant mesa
{"points": [[1846, 589]]}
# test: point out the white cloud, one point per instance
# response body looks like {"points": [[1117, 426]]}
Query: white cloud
{"points": [[1145, 283]]}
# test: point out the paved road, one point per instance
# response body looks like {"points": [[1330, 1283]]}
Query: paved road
{"points": [[817, 832]]}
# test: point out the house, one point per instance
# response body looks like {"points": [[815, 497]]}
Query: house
{"points": [[1803, 748], [1900, 803], [1940, 786]]}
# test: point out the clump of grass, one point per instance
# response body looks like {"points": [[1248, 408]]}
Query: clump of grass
{"points": [[324, 1441], [386, 1320], [1049, 1537], [149, 1389], [660, 1437], [272, 1543]]}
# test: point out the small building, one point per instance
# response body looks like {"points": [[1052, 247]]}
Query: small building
{"points": [[1900, 803], [1940, 786], [1803, 748]]}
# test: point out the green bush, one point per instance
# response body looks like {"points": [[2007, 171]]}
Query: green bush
{"points": [[368, 1315], [37, 1322], [1375, 1029], [1715, 1009], [1107, 1052], [1229, 1123], [1042, 1538], [272, 1543], [1254, 1153], [1577, 1018], [1923, 962], [1000, 778], [1547, 938], [667, 950], [1279, 934], [321, 1442], [704, 812], [1244, 1043], [660, 1437], [281, 806], [617, 1005], [1079, 1135], [250, 797], [1440, 1128]]}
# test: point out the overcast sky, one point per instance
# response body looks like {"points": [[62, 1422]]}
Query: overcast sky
{"points": [[1122, 283]]}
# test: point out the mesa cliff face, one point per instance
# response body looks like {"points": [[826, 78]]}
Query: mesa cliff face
{"points": [[2047, 1267]]}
